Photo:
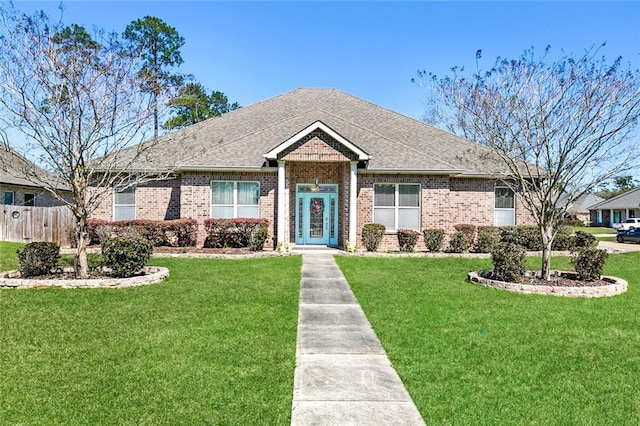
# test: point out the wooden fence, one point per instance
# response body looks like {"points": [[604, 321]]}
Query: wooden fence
{"points": [[27, 224]]}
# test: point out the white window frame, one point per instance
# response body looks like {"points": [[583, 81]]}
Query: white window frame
{"points": [[234, 204], [13, 197], [397, 206], [496, 209], [135, 198]]}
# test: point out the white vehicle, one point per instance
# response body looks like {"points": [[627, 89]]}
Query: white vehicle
{"points": [[629, 224]]}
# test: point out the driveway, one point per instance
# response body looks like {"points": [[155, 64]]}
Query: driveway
{"points": [[618, 247]]}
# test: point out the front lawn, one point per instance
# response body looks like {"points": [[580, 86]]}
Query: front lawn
{"points": [[594, 230], [472, 355], [213, 344]]}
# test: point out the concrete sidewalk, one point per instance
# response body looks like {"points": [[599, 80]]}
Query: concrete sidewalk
{"points": [[342, 376]]}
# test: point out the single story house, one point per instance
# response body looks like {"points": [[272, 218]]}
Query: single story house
{"points": [[617, 209], [319, 164], [16, 188], [579, 209]]}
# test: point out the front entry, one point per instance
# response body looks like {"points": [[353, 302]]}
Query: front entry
{"points": [[317, 214]]}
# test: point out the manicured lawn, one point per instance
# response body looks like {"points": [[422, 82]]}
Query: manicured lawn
{"points": [[8, 256], [471, 355], [213, 344], [594, 230]]}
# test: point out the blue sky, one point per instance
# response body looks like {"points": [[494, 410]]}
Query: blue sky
{"points": [[255, 50]]}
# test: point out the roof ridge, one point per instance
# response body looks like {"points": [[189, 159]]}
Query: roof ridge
{"points": [[624, 194]]}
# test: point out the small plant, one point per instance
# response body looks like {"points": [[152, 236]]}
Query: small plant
{"points": [[588, 262], [372, 234], [459, 243], [509, 261], [563, 239], [126, 256], [258, 237], [584, 239], [349, 248], [279, 247], [38, 258], [488, 238], [407, 239], [433, 239]]}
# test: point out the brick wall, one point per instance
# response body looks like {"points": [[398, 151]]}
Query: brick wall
{"points": [[195, 196], [444, 202], [317, 146]]}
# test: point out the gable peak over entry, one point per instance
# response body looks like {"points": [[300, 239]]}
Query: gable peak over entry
{"points": [[317, 133]]}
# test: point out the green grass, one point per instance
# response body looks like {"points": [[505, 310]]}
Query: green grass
{"points": [[8, 256], [213, 344], [472, 355], [593, 230]]}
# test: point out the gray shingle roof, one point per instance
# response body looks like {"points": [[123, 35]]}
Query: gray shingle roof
{"points": [[15, 170], [239, 139], [627, 200], [582, 204]]}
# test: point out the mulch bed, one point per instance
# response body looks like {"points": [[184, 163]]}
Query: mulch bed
{"points": [[555, 281]]}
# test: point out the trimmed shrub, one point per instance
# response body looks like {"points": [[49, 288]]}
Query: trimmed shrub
{"points": [[433, 239], [563, 240], [38, 258], [233, 233], [126, 256], [407, 239], [468, 230], [588, 262], [572, 222], [458, 243], [258, 237], [372, 234], [174, 233], [584, 239], [508, 262], [527, 236], [488, 238]]}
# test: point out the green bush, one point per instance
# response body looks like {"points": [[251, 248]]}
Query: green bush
{"points": [[488, 238], [588, 262], [527, 236], [174, 233], [433, 239], [584, 239], [232, 233], [564, 240], [458, 243], [38, 258], [126, 256], [407, 239], [509, 262], [468, 230], [372, 234], [258, 237]]}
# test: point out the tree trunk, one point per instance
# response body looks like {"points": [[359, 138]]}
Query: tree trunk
{"points": [[546, 233], [81, 266]]}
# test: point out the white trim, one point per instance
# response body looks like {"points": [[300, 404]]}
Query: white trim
{"points": [[234, 204], [281, 202], [396, 207], [353, 202], [135, 199], [318, 125]]}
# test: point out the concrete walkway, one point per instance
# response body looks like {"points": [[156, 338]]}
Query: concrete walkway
{"points": [[342, 376]]}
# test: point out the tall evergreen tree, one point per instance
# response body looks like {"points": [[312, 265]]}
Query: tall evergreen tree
{"points": [[158, 45], [193, 104]]}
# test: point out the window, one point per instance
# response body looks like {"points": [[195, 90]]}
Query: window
{"points": [[124, 204], [231, 199], [29, 200], [505, 207], [397, 206], [8, 197]]}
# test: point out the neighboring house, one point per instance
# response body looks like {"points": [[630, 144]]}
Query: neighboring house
{"points": [[617, 209], [579, 209], [15, 186], [319, 164]]}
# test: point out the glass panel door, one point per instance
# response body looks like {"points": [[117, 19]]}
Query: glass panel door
{"points": [[316, 217]]}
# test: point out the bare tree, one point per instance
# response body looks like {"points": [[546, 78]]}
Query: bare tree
{"points": [[76, 100], [561, 125]]}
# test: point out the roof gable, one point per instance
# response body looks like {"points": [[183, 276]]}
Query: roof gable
{"points": [[318, 128]]}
